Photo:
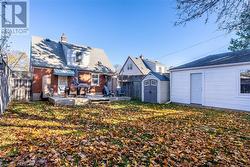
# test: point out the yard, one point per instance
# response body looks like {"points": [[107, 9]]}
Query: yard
{"points": [[123, 134]]}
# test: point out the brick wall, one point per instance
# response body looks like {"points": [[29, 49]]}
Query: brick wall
{"points": [[84, 77], [38, 74]]}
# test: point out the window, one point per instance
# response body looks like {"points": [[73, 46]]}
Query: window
{"points": [[153, 82], [130, 66], [78, 57], [95, 79], [245, 82], [146, 83]]}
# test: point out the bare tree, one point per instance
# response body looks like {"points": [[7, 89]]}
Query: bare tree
{"points": [[227, 12], [5, 34], [117, 68], [18, 61], [4, 45]]}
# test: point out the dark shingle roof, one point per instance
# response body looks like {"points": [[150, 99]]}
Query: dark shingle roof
{"points": [[49, 53], [219, 59], [161, 77]]}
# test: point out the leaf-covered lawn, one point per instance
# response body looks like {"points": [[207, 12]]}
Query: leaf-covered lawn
{"points": [[123, 134]]}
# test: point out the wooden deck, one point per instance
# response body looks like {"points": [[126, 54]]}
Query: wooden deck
{"points": [[78, 101]]}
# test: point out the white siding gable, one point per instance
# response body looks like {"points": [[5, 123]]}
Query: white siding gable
{"points": [[127, 70]]}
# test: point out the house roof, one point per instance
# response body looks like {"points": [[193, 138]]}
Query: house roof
{"points": [[154, 62], [161, 77], [49, 53], [141, 65], [219, 59]]}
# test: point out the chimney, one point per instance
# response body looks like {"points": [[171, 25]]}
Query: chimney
{"points": [[141, 57], [64, 38]]}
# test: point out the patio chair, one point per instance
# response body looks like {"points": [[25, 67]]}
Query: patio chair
{"points": [[83, 89], [73, 90], [120, 92], [106, 92]]}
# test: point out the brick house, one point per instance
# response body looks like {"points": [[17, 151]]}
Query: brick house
{"points": [[55, 64]]}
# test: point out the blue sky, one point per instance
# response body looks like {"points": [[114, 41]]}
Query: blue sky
{"points": [[124, 28]]}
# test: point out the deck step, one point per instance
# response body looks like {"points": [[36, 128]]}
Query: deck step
{"points": [[99, 102]]}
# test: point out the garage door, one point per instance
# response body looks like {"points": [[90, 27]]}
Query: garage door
{"points": [[150, 91]]}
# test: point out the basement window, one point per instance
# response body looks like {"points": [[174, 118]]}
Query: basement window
{"points": [[95, 79], [245, 82]]}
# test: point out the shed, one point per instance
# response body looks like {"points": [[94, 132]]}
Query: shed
{"points": [[221, 80], [155, 88]]}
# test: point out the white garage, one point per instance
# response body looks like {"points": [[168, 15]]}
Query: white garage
{"points": [[155, 88], [221, 80]]}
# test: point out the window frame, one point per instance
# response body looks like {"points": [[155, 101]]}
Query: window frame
{"points": [[147, 82], [94, 84], [153, 82], [239, 81]]}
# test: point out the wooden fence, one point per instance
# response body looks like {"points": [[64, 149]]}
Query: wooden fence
{"points": [[21, 89], [131, 86], [13, 86], [5, 88], [4, 93]]}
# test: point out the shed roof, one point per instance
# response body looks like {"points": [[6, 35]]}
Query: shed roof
{"points": [[161, 77], [218, 59]]}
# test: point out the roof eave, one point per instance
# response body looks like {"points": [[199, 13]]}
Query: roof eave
{"points": [[211, 66]]}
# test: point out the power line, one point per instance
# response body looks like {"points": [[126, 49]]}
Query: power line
{"points": [[205, 54], [194, 45]]}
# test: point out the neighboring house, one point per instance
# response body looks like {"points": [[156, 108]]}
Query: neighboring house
{"points": [[54, 64], [221, 80], [132, 73]]}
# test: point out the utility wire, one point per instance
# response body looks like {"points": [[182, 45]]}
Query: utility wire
{"points": [[205, 54], [194, 45]]}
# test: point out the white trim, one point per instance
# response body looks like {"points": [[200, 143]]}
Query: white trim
{"points": [[144, 82], [239, 84], [152, 83], [92, 84], [58, 85], [212, 66], [202, 87]]}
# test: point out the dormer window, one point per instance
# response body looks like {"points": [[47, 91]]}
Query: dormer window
{"points": [[79, 56]]}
